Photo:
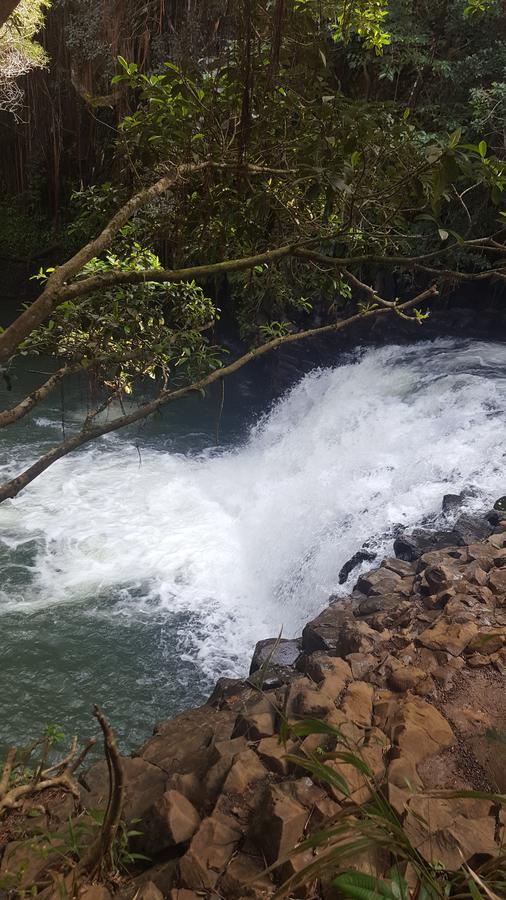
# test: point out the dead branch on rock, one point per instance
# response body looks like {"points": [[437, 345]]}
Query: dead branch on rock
{"points": [[16, 786], [101, 849]]}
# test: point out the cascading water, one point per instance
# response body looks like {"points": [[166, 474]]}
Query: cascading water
{"points": [[136, 585]]}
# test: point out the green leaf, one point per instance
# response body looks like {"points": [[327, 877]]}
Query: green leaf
{"points": [[358, 886], [482, 149], [455, 138]]}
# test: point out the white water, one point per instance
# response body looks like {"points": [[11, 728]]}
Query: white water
{"points": [[250, 540]]}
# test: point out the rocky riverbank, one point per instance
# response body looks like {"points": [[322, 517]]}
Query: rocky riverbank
{"points": [[410, 667]]}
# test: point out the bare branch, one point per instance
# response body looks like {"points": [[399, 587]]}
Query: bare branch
{"points": [[11, 488]]}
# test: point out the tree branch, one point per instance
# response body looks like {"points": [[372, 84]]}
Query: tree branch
{"points": [[11, 488]]}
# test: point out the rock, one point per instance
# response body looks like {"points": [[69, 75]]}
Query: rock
{"points": [[245, 877], [209, 852], [257, 720], [399, 566], [418, 729], [472, 528], [487, 641], [172, 820], [410, 547], [337, 632], [273, 754], [384, 582], [227, 692], [184, 744], [450, 636], [403, 781], [452, 503], [406, 678], [246, 771], [450, 832], [280, 823], [357, 703], [99, 892], [306, 701], [149, 891], [275, 652], [319, 666], [183, 894], [361, 664], [356, 560], [144, 785]]}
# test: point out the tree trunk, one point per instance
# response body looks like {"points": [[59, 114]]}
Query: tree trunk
{"points": [[7, 7]]}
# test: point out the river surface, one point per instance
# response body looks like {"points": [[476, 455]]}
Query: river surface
{"points": [[137, 571]]}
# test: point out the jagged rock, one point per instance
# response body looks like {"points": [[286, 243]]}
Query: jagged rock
{"points": [[487, 641], [410, 547], [245, 877], [472, 528], [357, 703], [144, 785], [185, 743], [273, 754], [402, 780], [450, 832], [257, 720], [280, 823], [337, 632], [384, 582], [149, 891], [99, 892], [332, 669], [275, 652], [406, 678], [246, 771], [356, 560], [361, 664], [209, 852], [183, 894], [447, 635], [399, 566], [172, 820], [418, 729], [228, 692], [306, 701]]}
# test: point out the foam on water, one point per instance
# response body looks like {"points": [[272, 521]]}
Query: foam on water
{"points": [[251, 539]]}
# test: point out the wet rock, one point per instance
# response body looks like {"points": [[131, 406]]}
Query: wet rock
{"points": [[227, 692], [410, 547], [275, 652], [472, 528], [337, 632], [356, 560], [384, 582]]}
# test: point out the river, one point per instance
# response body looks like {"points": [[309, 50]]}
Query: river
{"points": [[137, 571]]}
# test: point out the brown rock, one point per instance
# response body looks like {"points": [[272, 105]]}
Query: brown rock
{"points": [[273, 754], [245, 877], [357, 703], [418, 729], [183, 894], [209, 852], [144, 785], [319, 666], [149, 891], [184, 744], [171, 820], [450, 831], [403, 780], [487, 641], [246, 770], [450, 636], [257, 720], [361, 664], [96, 892], [306, 701], [406, 678], [385, 582], [336, 631], [280, 823]]}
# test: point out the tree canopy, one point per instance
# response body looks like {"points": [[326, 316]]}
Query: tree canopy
{"points": [[314, 144]]}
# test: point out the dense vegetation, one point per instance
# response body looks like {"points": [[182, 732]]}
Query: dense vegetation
{"points": [[277, 157]]}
